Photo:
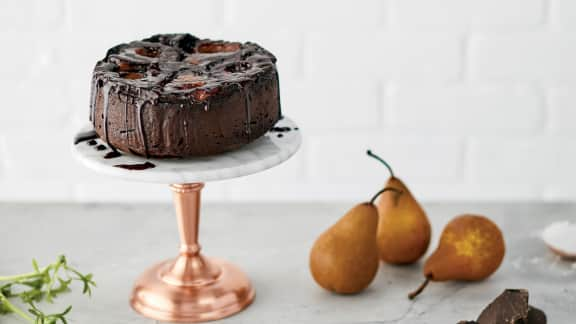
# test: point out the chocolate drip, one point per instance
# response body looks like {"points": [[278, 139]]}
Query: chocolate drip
{"points": [[94, 96], [106, 104], [185, 123], [126, 116], [139, 112], [126, 130], [85, 136], [278, 94], [138, 166], [247, 104], [248, 108]]}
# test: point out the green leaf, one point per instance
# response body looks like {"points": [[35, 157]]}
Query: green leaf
{"points": [[35, 265], [4, 310], [6, 290], [34, 283], [43, 284]]}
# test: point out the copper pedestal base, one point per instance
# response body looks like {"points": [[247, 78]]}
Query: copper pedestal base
{"points": [[191, 288], [227, 294]]}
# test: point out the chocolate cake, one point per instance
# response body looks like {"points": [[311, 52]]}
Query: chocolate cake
{"points": [[176, 95]]}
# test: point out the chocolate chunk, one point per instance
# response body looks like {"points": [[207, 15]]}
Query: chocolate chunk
{"points": [[536, 316], [92, 142], [511, 307], [100, 147]]}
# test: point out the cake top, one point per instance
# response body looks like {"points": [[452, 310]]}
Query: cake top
{"points": [[182, 65]]}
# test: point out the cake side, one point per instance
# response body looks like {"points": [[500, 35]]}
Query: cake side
{"points": [[178, 96]]}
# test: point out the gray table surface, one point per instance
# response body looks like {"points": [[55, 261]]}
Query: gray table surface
{"points": [[271, 243]]}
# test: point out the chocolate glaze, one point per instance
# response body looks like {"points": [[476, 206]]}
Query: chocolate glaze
{"points": [[137, 166], [85, 136], [177, 95]]}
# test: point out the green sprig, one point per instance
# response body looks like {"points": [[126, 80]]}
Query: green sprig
{"points": [[43, 284]]}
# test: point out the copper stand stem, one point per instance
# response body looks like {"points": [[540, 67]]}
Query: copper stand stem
{"points": [[191, 288]]}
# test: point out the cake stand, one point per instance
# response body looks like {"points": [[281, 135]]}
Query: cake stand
{"points": [[193, 287]]}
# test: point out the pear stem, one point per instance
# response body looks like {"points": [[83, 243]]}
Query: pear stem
{"points": [[398, 193], [369, 152], [417, 292]]}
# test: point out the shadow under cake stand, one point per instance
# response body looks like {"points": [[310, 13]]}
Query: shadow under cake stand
{"points": [[192, 287]]}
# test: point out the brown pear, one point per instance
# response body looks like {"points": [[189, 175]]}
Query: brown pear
{"points": [[403, 229], [471, 248], [344, 259]]}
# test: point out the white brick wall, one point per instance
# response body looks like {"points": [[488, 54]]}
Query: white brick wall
{"points": [[564, 15], [388, 56], [467, 14], [562, 110], [533, 57], [468, 99], [472, 109]]}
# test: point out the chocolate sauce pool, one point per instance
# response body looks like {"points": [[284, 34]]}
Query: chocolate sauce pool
{"points": [[85, 136], [112, 154], [137, 166]]}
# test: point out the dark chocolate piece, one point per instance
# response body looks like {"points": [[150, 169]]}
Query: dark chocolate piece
{"points": [[536, 316], [92, 142], [85, 136], [178, 95], [137, 166], [101, 147], [511, 307]]}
